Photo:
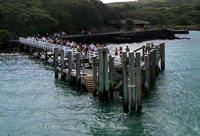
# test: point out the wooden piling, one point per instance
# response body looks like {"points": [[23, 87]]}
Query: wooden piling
{"points": [[147, 73], [56, 61], [157, 60], [125, 82], [162, 56], [132, 94], [105, 71], [78, 69], [138, 82], [69, 55], [46, 55], [153, 65], [101, 74], [111, 81], [94, 74], [63, 75]]}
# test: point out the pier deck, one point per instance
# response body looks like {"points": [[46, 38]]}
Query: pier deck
{"points": [[133, 74]]}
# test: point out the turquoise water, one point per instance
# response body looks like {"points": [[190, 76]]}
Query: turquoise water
{"points": [[33, 103]]}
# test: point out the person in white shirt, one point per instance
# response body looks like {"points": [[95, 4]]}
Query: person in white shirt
{"points": [[92, 47]]}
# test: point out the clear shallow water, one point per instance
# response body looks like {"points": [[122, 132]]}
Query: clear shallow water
{"points": [[33, 103]]}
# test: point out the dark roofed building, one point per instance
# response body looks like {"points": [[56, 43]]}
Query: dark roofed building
{"points": [[138, 23]]}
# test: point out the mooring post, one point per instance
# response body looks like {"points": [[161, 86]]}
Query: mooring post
{"points": [[69, 55], [38, 52], [147, 73], [154, 65], [143, 52], [157, 59], [46, 54], [151, 67], [105, 71], [132, 94], [56, 62], [111, 66], [138, 82], [78, 68], [120, 51], [162, 55], [63, 75], [101, 74], [94, 74], [125, 81]]}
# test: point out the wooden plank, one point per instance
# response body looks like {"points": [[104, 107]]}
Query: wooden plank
{"points": [[147, 73], [69, 55]]}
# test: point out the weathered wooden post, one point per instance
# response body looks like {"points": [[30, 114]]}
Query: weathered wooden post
{"points": [[147, 73], [132, 95], [143, 52], [138, 82], [157, 59], [162, 56], [120, 51], [38, 52], [46, 54], [63, 75], [111, 66], [94, 74], [125, 81], [69, 55], [154, 65], [56, 61], [101, 74], [105, 71], [78, 68]]}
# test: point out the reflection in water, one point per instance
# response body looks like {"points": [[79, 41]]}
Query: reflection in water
{"points": [[34, 103]]}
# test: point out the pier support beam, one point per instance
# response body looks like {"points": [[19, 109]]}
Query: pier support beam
{"points": [[78, 69], [105, 71], [56, 61], [69, 55], [132, 95], [94, 74], [101, 74], [111, 81], [125, 81], [162, 56], [138, 82], [147, 73], [63, 75]]}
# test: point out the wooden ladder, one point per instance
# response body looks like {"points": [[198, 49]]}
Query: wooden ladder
{"points": [[89, 83]]}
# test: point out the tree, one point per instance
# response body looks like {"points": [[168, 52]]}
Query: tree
{"points": [[4, 35], [129, 24]]}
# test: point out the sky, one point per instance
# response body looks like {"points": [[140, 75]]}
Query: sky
{"points": [[108, 1]]}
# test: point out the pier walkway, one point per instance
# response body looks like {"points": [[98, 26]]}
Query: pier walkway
{"points": [[133, 74]]}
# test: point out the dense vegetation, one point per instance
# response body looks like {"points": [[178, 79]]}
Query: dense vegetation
{"points": [[162, 12], [26, 17]]}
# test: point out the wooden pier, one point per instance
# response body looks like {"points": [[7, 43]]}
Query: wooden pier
{"points": [[133, 74]]}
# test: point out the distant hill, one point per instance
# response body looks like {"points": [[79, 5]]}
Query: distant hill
{"points": [[161, 12], [26, 17]]}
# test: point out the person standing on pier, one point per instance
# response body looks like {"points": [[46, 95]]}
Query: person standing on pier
{"points": [[127, 49]]}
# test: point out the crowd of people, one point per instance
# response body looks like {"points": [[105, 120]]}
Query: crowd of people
{"points": [[83, 48]]}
